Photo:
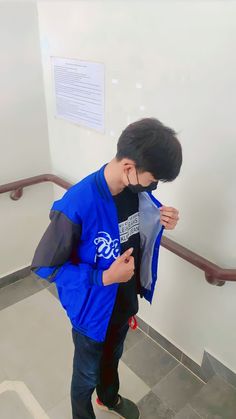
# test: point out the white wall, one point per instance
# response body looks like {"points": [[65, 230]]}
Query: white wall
{"points": [[23, 135], [182, 54]]}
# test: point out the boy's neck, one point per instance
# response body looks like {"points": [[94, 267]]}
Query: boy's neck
{"points": [[113, 176]]}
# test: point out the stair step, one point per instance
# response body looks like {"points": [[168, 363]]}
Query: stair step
{"points": [[216, 399], [187, 413]]}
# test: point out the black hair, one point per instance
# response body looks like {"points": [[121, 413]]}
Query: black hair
{"points": [[153, 147]]}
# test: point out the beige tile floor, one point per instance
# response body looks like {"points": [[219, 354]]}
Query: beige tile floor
{"points": [[36, 355], [36, 352]]}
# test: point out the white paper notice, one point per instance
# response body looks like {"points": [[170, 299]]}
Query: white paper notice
{"points": [[79, 91]]}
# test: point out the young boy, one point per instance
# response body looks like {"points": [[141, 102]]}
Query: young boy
{"points": [[101, 250]]}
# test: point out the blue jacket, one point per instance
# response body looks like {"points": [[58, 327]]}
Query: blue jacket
{"points": [[82, 240]]}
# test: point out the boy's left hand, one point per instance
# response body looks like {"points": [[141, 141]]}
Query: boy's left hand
{"points": [[169, 217]]}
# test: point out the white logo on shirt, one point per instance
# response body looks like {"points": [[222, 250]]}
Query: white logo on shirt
{"points": [[129, 227], [106, 247]]}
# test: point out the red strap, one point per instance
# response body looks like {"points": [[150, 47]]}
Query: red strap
{"points": [[99, 402], [133, 322]]}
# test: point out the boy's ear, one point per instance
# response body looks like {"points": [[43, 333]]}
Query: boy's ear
{"points": [[128, 164]]}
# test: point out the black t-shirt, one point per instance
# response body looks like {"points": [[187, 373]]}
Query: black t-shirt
{"points": [[126, 304]]}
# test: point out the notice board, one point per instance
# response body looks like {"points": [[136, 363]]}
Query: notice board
{"points": [[79, 91]]}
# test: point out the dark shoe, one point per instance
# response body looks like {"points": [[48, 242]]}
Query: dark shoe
{"points": [[126, 409]]}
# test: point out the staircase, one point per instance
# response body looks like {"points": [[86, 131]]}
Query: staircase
{"points": [[159, 383]]}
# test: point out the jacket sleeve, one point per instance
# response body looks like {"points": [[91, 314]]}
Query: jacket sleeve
{"points": [[53, 257]]}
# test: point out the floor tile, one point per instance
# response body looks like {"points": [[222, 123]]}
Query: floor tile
{"points": [[194, 367], [131, 386], [216, 400], [142, 324], [178, 387], [15, 276], [19, 290], [3, 375], [49, 381], [31, 330], [11, 406], [36, 347], [151, 407], [53, 290], [43, 282], [101, 414], [162, 341], [212, 366], [187, 413], [133, 337], [149, 361], [62, 410]]}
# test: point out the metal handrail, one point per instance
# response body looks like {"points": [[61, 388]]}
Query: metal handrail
{"points": [[214, 274]]}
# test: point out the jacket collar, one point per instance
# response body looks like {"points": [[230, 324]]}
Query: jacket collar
{"points": [[104, 190], [101, 183]]}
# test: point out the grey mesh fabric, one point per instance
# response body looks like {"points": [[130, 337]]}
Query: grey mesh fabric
{"points": [[150, 228]]}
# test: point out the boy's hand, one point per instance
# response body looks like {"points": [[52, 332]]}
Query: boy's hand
{"points": [[121, 270], [169, 217]]}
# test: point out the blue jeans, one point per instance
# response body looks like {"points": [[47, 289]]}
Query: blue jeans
{"points": [[95, 365]]}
